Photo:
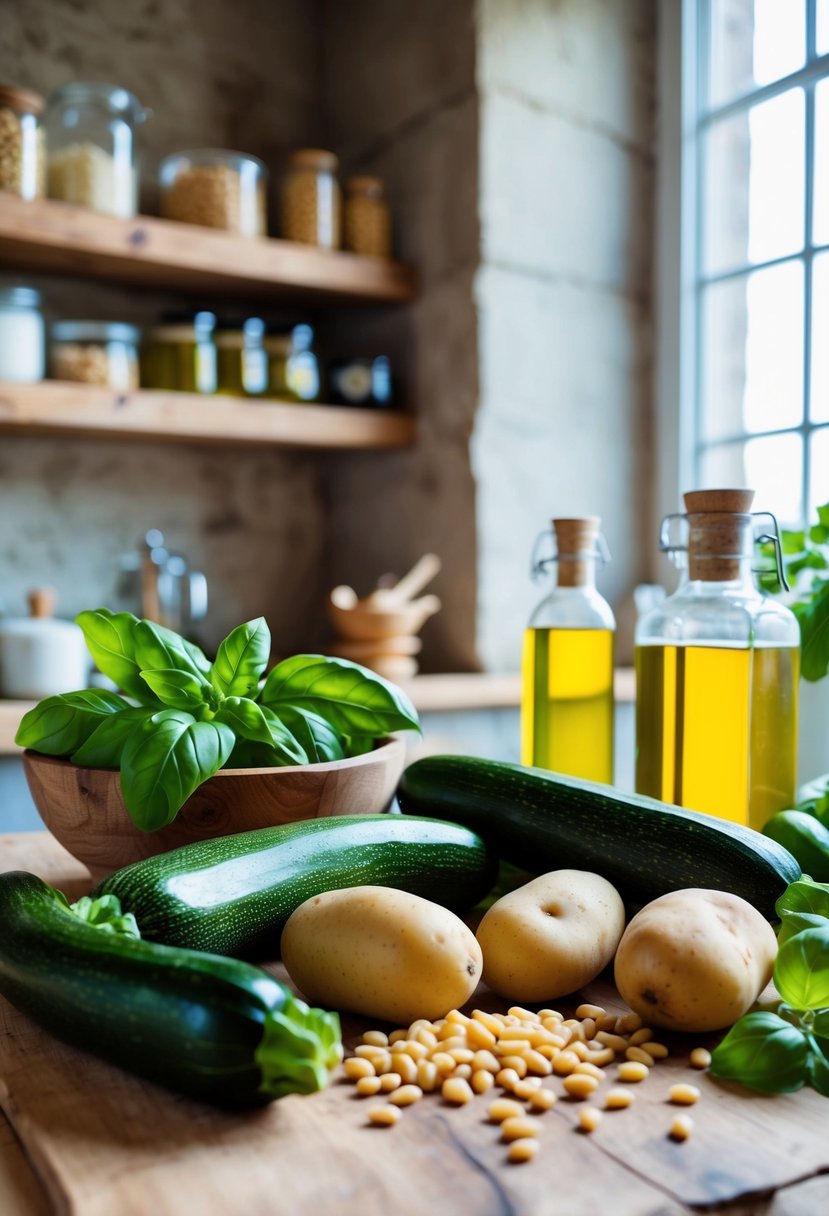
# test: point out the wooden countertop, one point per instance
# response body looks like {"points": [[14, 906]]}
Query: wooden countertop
{"points": [[95, 1140]]}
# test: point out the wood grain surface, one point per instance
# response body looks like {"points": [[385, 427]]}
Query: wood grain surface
{"points": [[102, 1141]]}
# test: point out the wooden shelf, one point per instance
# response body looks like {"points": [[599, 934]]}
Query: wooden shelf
{"points": [[55, 238], [54, 407], [456, 692]]}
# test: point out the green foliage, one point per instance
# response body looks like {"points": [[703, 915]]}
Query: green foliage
{"points": [[806, 562], [181, 719], [778, 1052]]}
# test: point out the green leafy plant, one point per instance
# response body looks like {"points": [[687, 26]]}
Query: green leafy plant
{"points": [[778, 1051], [806, 562], [179, 719]]}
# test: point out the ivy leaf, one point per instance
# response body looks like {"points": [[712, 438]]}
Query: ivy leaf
{"points": [[178, 689], [801, 972], [763, 1052], [351, 698], [58, 725], [245, 718], [110, 639], [159, 649], [104, 746], [166, 760], [241, 659], [317, 737]]}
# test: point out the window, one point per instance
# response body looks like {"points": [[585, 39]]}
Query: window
{"points": [[755, 231]]}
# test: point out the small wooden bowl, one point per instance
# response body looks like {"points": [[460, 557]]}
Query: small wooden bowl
{"points": [[364, 624], [84, 810]]}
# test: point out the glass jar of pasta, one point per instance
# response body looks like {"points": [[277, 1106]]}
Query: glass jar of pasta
{"points": [[215, 189], [366, 219], [95, 352], [22, 165], [311, 204]]}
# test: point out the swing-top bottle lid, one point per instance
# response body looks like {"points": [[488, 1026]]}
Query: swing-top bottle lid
{"points": [[576, 543], [720, 534]]}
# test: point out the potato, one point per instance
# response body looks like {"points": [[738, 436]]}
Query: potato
{"points": [[551, 936], [381, 952], [695, 960]]}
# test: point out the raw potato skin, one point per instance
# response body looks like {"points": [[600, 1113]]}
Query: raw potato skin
{"points": [[381, 952], [552, 936], [695, 960]]}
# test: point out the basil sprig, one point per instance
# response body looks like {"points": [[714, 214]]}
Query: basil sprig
{"points": [[780, 1051], [181, 719]]}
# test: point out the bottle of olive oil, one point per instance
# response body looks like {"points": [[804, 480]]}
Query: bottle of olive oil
{"points": [[717, 666], [567, 667]]}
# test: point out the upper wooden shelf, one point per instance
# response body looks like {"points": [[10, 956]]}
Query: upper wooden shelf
{"points": [[56, 407], [55, 238]]}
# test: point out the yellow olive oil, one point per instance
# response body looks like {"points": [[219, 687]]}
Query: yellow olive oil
{"points": [[716, 728], [567, 701]]}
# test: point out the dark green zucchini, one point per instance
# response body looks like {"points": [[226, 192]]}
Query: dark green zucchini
{"points": [[540, 821], [209, 1027], [233, 894]]}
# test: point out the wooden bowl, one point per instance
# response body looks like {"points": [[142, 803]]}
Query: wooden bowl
{"points": [[365, 624], [84, 810]]}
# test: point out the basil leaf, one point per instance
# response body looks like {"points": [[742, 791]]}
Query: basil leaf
{"points": [[763, 1052], [245, 718], [60, 724], [105, 913], [241, 659], [795, 922], [317, 737], [283, 741], [360, 745], [178, 689], [819, 1071], [812, 612], [110, 639], [820, 1024], [801, 972], [166, 760], [814, 798], [353, 699], [246, 754], [805, 895], [159, 649], [104, 746]]}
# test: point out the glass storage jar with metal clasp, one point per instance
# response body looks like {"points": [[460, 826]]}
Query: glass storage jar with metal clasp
{"points": [[95, 352], [22, 340], [293, 368], [22, 163], [180, 353], [717, 667], [310, 199], [241, 361], [91, 154], [215, 189]]}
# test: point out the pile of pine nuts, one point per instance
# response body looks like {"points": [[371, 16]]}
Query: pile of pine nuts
{"points": [[461, 1056]]}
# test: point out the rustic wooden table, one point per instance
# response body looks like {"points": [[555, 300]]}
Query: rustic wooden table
{"points": [[82, 1137]]}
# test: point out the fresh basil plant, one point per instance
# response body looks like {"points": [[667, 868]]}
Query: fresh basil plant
{"points": [[179, 719], [781, 1051]]}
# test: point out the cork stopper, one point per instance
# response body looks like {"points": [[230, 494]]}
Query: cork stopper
{"points": [[41, 601], [719, 536], [576, 546]]}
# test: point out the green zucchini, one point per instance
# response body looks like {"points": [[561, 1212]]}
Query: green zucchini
{"points": [[540, 821], [233, 894], [213, 1028]]}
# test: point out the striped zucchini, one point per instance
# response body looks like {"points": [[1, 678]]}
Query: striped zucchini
{"points": [[233, 894], [212, 1028], [539, 821]]}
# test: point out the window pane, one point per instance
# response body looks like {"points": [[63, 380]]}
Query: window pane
{"points": [[771, 465], [822, 31], [819, 470], [753, 178], [820, 225], [753, 44], [752, 352], [820, 339]]}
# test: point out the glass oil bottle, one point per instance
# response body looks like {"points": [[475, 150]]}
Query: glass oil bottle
{"points": [[567, 665], [717, 667]]}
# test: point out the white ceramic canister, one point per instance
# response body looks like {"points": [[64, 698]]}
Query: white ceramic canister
{"points": [[39, 655]]}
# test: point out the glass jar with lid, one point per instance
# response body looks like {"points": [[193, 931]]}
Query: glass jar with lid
{"points": [[311, 203], [241, 362], [215, 189], [22, 165], [180, 354], [293, 368], [366, 218], [22, 341], [95, 352], [91, 155]]}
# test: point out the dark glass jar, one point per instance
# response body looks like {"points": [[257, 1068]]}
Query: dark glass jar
{"points": [[361, 381]]}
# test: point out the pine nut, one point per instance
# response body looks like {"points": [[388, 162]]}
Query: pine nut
{"points": [[456, 1090], [518, 1127], [504, 1108], [464, 1071], [614, 1041], [683, 1095], [376, 1038], [640, 1036], [541, 1100], [404, 1066], [549, 1050], [516, 1063], [479, 1036], [590, 1011], [526, 1015], [482, 1080], [427, 1037], [427, 1076], [606, 1056], [419, 1024], [487, 1020], [639, 1053], [537, 1064], [390, 1081], [418, 1051], [618, 1099], [580, 1049], [520, 1151], [681, 1127], [589, 1118], [700, 1057], [452, 1042], [357, 1066], [507, 1078], [396, 1036], [633, 1070], [485, 1059], [588, 1070], [406, 1095], [523, 1089], [628, 1023], [564, 1063], [580, 1086], [576, 1030], [369, 1051], [543, 1014], [608, 1021], [443, 1062], [589, 1027], [366, 1087], [658, 1050], [384, 1116], [455, 1016]]}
